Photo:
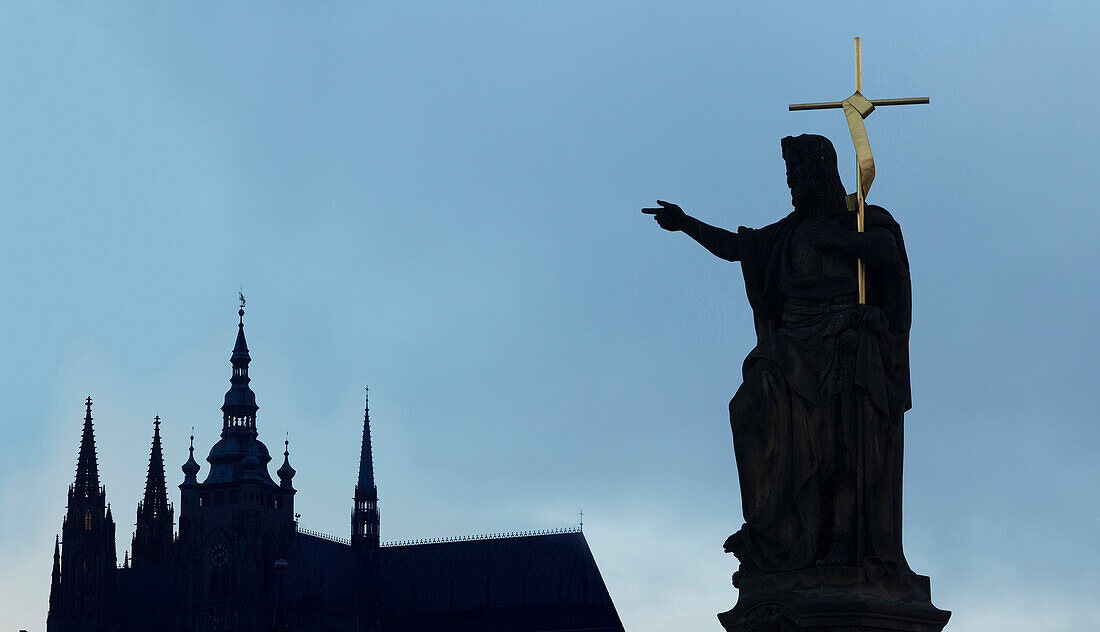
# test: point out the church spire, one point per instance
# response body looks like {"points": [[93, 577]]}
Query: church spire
{"points": [[366, 456], [153, 536], [365, 521], [239, 409], [56, 559], [55, 586], [87, 467], [87, 547], [155, 500]]}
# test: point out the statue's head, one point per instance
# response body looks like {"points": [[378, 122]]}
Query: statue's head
{"points": [[812, 175]]}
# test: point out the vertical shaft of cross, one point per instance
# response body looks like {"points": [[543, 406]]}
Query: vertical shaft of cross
{"points": [[859, 68], [856, 108], [862, 301], [860, 273]]}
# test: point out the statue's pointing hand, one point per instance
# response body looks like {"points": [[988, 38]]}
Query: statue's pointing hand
{"points": [[669, 215]]}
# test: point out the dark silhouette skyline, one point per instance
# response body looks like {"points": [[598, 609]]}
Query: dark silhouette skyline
{"points": [[239, 561], [443, 202]]}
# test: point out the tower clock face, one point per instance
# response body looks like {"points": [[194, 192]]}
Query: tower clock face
{"points": [[219, 554]]}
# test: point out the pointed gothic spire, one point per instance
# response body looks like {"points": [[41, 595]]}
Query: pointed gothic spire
{"points": [[88, 557], [56, 559], [152, 541], [365, 522], [155, 501], [366, 457], [55, 587], [87, 468], [239, 409]]}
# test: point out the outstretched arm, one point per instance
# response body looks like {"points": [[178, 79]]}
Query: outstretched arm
{"points": [[722, 243]]}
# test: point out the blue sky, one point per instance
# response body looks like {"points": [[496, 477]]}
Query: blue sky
{"points": [[441, 201]]}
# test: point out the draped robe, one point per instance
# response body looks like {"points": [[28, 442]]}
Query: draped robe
{"points": [[823, 397]]}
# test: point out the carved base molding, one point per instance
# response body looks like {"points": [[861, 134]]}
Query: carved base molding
{"points": [[833, 599]]}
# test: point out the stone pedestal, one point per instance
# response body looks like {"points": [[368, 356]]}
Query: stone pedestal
{"points": [[833, 599]]}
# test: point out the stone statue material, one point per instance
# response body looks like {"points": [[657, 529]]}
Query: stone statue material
{"points": [[817, 421]]}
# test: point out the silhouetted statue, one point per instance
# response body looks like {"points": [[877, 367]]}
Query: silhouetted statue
{"points": [[817, 422]]}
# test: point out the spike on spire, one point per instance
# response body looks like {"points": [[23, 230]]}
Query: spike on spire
{"points": [[87, 467]]}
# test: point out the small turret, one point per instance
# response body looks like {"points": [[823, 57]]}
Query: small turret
{"points": [[189, 493], [191, 467], [286, 473]]}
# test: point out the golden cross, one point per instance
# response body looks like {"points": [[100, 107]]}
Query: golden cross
{"points": [[856, 108]]}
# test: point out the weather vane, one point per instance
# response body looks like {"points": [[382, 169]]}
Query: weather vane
{"points": [[240, 295], [856, 108]]}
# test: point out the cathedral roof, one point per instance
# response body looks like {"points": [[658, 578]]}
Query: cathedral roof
{"points": [[535, 570], [318, 567], [554, 574]]}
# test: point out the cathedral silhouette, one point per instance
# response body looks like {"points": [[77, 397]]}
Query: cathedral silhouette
{"points": [[239, 561]]}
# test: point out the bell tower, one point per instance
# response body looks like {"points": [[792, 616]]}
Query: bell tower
{"points": [[236, 522]]}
